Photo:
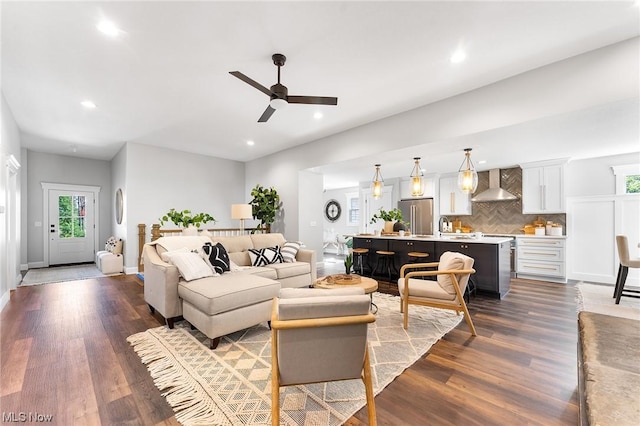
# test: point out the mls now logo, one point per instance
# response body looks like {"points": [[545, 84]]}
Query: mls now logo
{"points": [[22, 417]]}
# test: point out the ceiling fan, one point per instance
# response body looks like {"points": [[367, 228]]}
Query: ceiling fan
{"points": [[279, 93]]}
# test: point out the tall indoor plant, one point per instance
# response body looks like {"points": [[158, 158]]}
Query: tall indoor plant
{"points": [[264, 205]]}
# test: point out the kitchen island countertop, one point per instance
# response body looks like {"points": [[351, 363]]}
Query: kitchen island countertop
{"points": [[445, 238]]}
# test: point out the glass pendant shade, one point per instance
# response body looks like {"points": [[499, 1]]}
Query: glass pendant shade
{"points": [[417, 182], [467, 175], [377, 183]]}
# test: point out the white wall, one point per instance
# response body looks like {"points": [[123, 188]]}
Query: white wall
{"points": [[310, 230], [119, 181], [10, 204], [158, 179], [594, 176], [53, 168], [598, 77]]}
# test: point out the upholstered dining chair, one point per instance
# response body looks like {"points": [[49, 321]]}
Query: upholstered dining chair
{"points": [[318, 336], [452, 273], [625, 263]]}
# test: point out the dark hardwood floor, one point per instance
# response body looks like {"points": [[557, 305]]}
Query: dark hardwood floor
{"points": [[64, 353]]}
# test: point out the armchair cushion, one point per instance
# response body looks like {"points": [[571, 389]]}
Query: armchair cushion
{"points": [[450, 261]]}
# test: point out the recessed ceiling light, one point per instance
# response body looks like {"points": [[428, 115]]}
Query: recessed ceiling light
{"points": [[482, 161], [88, 104], [108, 28], [251, 143], [458, 56], [317, 115]]}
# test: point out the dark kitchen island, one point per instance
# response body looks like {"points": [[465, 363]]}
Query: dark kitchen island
{"points": [[491, 254]]}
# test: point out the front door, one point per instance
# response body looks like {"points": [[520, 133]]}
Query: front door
{"points": [[71, 227]]}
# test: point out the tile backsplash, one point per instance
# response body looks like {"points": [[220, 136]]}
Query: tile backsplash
{"points": [[504, 217]]}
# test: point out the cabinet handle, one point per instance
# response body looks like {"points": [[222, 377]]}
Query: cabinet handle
{"points": [[452, 202], [548, 268], [539, 253]]}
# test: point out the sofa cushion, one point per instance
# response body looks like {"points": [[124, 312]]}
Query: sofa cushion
{"points": [[190, 265], [267, 240], [265, 256], [216, 257], [286, 270], [227, 292], [235, 244], [290, 250]]}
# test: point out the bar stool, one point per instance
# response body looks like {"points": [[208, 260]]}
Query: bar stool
{"points": [[623, 269], [359, 253], [418, 257], [388, 262]]}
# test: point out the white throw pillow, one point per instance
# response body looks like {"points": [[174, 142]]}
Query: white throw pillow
{"points": [[190, 265], [165, 255], [289, 250]]}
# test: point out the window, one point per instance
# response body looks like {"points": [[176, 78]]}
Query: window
{"points": [[71, 216], [627, 179], [353, 209]]}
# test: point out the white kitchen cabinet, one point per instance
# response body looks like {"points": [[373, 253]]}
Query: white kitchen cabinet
{"points": [[541, 258], [543, 187], [452, 200]]}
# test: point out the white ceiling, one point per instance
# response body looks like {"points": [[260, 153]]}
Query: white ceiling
{"points": [[165, 80]]}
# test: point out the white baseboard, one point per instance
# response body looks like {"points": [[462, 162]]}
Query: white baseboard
{"points": [[131, 270], [24, 267], [18, 280], [36, 265], [4, 299]]}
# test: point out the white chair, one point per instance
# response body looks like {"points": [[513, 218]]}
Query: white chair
{"points": [[447, 292], [320, 336]]}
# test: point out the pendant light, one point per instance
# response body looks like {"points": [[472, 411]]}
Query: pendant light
{"points": [[467, 175], [378, 182], [417, 183]]}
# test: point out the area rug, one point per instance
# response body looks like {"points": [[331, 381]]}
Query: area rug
{"points": [[231, 385], [599, 298], [57, 274]]}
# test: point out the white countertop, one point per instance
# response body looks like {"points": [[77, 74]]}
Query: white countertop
{"points": [[467, 238]]}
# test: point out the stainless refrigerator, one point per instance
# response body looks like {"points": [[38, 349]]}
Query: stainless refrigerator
{"points": [[419, 213]]}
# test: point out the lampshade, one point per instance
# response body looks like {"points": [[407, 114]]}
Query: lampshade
{"points": [[277, 103], [467, 175], [417, 183], [241, 211], [377, 182]]}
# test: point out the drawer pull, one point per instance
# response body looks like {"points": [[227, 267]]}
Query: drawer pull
{"points": [[540, 253], [549, 268]]}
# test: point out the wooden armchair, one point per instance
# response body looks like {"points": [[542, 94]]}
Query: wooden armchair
{"points": [[320, 336], [447, 292]]}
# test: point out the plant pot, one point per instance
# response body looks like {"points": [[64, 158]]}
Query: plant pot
{"points": [[190, 231], [388, 227]]}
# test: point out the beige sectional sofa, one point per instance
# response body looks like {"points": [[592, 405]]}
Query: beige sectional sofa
{"points": [[223, 304]]}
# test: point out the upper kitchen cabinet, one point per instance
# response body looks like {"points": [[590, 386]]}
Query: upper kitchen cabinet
{"points": [[452, 200], [543, 187]]}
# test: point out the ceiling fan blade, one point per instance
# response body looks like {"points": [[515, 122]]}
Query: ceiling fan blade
{"points": [[266, 114], [251, 82], [316, 100]]}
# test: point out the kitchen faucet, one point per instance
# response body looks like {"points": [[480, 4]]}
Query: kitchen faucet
{"points": [[443, 220]]}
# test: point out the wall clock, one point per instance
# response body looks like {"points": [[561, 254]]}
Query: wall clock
{"points": [[332, 210]]}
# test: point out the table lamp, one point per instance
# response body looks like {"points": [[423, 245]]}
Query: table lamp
{"points": [[241, 212]]}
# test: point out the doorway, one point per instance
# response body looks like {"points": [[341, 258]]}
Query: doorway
{"points": [[71, 218]]}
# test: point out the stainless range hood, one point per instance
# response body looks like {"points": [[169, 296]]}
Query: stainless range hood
{"points": [[494, 193]]}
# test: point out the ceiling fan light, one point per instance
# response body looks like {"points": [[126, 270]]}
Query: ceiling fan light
{"points": [[278, 103], [417, 182], [467, 175]]}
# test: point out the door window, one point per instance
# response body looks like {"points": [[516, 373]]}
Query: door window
{"points": [[71, 216]]}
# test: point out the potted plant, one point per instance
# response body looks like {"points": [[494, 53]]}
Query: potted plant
{"points": [[393, 219], [264, 205], [348, 262], [185, 219]]}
